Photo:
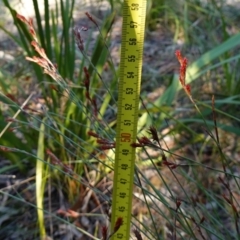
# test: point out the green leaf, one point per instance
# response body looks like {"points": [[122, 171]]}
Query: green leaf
{"points": [[208, 57], [41, 175]]}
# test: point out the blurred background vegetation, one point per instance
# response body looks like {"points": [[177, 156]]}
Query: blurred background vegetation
{"points": [[56, 180]]}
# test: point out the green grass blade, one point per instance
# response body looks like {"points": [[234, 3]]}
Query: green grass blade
{"points": [[68, 51], [39, 23], [211, 55], [100, 48], [47, 29], [40, 180], [54, 32]]}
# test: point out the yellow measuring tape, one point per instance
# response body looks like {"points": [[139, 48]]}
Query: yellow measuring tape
{"points": [[133, 28]]}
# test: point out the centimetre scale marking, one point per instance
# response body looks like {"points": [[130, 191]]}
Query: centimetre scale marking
{"points": [[134, 13]]}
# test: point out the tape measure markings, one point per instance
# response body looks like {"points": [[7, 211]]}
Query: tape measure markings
{"points": [[134, 12]]}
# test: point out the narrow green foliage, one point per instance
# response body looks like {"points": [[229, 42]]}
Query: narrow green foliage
{"points": [[41, 177]]}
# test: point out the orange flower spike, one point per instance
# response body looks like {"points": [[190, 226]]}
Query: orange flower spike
{"points": [[178, 203], [87, 78], [31, 29], [188, 89], [37, 47], [91, 18], [40, 61], [32, 32], [118, 224], [104, 232], [11, 96], [87, 95], [53, 158], [5, 149], [10, 119], [137, 234], [135, 145], [29, 23], [153, 132], [78, 37], [93, 134], [182, 72], [95, 109], [22, 18], [107, 147], [183, 69], [103, 141], [145, 141], [53, 87], [179, 56]]}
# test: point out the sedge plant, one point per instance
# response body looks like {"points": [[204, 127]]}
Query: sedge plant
{"points": [[70, 111]]}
